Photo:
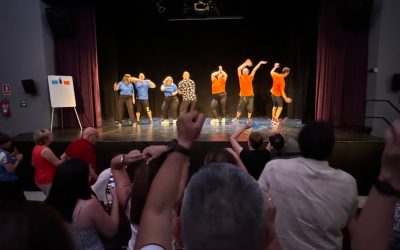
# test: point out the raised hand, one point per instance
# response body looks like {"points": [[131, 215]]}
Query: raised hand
{"points": [[263, 62], [153, 152], [133, 156], [220, 68], [249, 63], [390, 167], [277, 65], [189, 127]]}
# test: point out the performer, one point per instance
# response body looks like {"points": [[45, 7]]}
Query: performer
{"points": [[246, 88], [218, 81], [278, 92], [171, 101], [127, 98], [187, 88], [142, 86]]}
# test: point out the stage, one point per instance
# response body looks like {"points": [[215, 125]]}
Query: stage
{"points": [[355, 152]]}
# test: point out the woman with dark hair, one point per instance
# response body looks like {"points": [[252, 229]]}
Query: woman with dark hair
{"points": [[71, 196]]}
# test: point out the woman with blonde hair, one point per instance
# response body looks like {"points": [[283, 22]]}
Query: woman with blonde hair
{"points": [[126, 97], [171, 101], [44, 160]]}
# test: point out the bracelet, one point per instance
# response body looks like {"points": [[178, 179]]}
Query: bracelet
{"points": [[174, 146], [386, 188]]}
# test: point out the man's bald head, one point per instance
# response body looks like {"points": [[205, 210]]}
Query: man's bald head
{"points": [[90, 134]]}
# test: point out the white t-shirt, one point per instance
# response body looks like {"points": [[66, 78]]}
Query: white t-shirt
{"points": [[313, 202]]}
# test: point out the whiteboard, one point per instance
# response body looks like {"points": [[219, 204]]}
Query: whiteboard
{"points": [[61, 89]]}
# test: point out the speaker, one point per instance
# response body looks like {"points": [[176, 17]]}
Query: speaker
{"points": [[356, 14], [396, 82], [29, 86], [61, 22]]}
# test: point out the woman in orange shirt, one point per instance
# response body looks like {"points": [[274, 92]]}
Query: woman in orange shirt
{"points": [[278, 92], [218, 81]]}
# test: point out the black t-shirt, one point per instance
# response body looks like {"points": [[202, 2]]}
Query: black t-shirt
{"points": [[255, 160]]}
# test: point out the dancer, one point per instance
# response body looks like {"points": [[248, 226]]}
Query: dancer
{"points": [[171, 101], [187, 88], [126, 97], [218, 81], [142, 86], [278, 92], [246, 88]]}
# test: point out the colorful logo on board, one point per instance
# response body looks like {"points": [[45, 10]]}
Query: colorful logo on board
{"points": [[61, 81]]}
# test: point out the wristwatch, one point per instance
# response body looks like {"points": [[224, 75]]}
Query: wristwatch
{"points": [[386, 188], [174, 146]]}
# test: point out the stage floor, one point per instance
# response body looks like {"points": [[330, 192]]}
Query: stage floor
{"points": [[156, 132]]}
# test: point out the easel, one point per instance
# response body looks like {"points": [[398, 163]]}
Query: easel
{"points": [[62, 118]]}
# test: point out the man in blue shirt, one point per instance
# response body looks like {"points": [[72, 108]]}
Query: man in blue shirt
{"points": [[142, 86]]}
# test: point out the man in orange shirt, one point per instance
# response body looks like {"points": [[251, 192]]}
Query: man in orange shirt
{"points": [[278, 92], [218, 82], [246, 88]]}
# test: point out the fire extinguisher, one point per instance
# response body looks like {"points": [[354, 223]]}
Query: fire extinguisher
{"points": [[5, 107]]}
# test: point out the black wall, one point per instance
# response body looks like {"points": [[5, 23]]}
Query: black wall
{"points": [[133, 38]]}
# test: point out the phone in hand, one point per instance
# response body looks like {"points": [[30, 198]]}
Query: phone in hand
{"points": [[110, 184]]}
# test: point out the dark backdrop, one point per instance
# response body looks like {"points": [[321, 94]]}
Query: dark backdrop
{"points": [[132, 37]]}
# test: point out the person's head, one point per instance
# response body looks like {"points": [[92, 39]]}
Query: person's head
{"points": [[42, 137], [127, 78], [219, 155], [168, 80], [245, 71], [285, 71], [186, 75], [70, 183], [256, 140], [220, 76], [316, 141], [277, 141], [5, 142], [223, 208], [141, 76], [32, 225], [90, 134]]}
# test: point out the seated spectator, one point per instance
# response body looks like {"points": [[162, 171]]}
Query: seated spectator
{"points": [[71, 196], [280, 144], [255, 158], [83, 149], [10, 159], [43, 160], [26, 225], [314, 201], [223, 207], [374, 227], [227, 155]]}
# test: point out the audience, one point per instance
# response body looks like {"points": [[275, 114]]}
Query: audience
{"points": [[71, 196], [83, 149], [10, 159], [27, 225], [255, 158], [43, 160], [314, 201]]}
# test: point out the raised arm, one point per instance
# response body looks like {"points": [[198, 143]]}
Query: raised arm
{"points": [[234, 139], [214, 75], [253, 72], [276, 65], [152, 84], [224, 74], [246, 63], [156, 222], [116, 86], [374, 226]]}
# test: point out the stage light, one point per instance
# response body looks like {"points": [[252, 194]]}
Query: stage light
{"points": [[201, 8]]}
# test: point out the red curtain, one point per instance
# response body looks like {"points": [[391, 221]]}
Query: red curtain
{"points": [[76, 56], [341, 78]]}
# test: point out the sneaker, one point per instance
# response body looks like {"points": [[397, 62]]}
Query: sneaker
{"points": [[174, 122], [165, 122], [275, 121], [223, 120], [235, 119], [119, 124], [151, 121], [249, 120], [134, 124], [214, 121]]}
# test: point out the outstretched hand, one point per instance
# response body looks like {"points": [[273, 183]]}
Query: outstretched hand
{"points": [[249, 63], [390, 167], [189, 127], [263, 62], [276, 65], [153, 152]]}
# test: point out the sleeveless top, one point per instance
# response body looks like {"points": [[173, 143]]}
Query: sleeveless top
{"points": [[44, 170], [85, 239]]}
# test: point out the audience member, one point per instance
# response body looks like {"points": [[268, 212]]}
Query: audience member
{"points": [[256, 156], [43, 160], [83, 149], [71, 196], [27, 225], [10, 159], [314, 201]]}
